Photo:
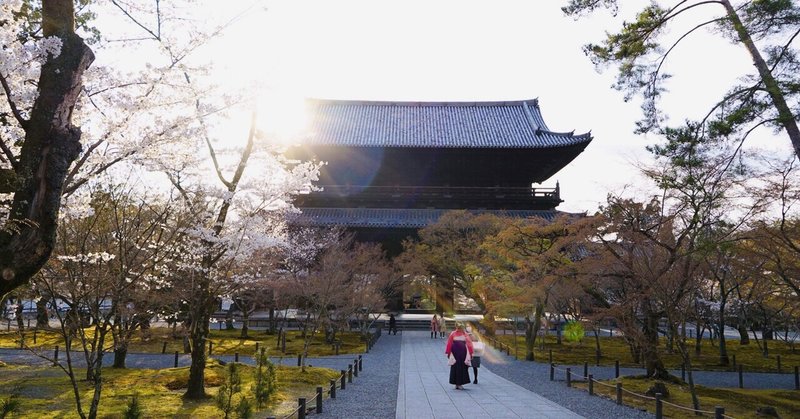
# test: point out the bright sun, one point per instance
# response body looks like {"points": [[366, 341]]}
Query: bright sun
{"points": [[282, 115]]}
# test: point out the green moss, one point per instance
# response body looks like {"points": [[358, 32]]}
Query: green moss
{"points": [[737, 402], [225, 342], [47, 393], [749, 356]]}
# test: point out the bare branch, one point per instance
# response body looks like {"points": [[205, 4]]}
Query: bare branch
{"points": [[11, 104]]}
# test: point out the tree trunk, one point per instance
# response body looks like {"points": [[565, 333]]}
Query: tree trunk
{"points": [[723, 347], [42, 316], [785, 115], [51, 144], [653, 363], [120, 354], [245, 323], [20, 320], [744, 336], [198, 333]]}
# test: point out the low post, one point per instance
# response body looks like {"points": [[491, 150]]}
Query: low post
{"points": [[659, 407], [176, 359], [355, 367], [619, 393], [333, 389], [616, 368], [360, 363], [797, 378], [569, 377], [780, 370], [301, 412], [550, 356], [585, 369], [741, 378], [591, 385], [236, 357], [319, 399], [349, 373], [55, 356], [719, 412], [299, 359], [342, 377], [552, 372]]}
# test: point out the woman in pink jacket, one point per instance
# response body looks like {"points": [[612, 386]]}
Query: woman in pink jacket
{"points": [[459, 353]]}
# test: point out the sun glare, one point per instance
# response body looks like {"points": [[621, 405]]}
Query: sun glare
{"points": [[283, 116]]}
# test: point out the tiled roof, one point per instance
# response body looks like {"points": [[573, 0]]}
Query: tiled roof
{"points": [[395, 218], [515, 124]]}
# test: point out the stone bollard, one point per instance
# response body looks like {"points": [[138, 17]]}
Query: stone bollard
{"points": [[176, 359], [619, 393], [349, 373], [236, 357], [355, 367], [616, 368], [569, 377], [552, 372], [719, 412], [585, 369], [360, 363], [591, 385], [319, 399], [299, 359], [333, 389], [343, 377]]}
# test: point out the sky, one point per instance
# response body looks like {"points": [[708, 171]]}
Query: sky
{"points": [[463, 50]]}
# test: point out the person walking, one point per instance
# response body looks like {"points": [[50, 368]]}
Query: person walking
{"points": [[459, 353], [442, 326], [392, 324], [434, 326], [477, 352]]}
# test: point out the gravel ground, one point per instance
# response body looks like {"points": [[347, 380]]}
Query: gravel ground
{"points": [[374, 393], [535, 377]]}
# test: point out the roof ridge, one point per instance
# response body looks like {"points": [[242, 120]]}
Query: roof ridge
{"points": [[345, 102]]}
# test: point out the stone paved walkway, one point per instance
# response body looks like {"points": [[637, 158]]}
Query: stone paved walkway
{"points": [[424, 391]]}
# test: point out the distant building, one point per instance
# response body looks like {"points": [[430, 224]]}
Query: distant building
{"points": [[395, 167]]}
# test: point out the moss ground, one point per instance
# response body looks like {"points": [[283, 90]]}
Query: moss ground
{"points": [[749, 356], [225, 342], [738, 403], [46, 392]]}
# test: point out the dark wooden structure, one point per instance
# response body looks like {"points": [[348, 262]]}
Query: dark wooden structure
{"points": [[395, 167]]}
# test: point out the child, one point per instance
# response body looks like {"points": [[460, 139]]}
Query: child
{"points": [[477, 348]]}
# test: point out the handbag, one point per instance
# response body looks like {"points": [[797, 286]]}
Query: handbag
{"points": [[451, 360]]}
